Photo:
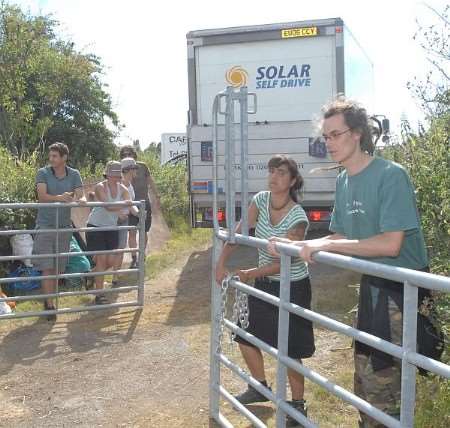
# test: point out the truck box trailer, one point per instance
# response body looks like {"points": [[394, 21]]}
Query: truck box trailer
{"points": [[294, 69]]}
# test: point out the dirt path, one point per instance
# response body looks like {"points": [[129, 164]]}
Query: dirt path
{"points": [[121, 368], [129, 368]]}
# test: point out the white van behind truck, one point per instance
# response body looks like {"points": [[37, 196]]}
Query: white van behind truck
{"points": [[294, 69]]}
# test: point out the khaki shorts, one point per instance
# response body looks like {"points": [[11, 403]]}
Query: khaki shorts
{"points": [[45, 243]]}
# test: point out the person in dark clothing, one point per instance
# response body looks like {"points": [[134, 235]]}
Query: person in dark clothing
{"points": [[141, 185]]}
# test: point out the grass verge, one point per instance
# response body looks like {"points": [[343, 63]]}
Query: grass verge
{"points": [[183, 240]]}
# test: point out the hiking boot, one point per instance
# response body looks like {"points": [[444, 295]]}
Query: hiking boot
{"points": [[251, 396], [100, 299], [299, 405], [50, 307]]}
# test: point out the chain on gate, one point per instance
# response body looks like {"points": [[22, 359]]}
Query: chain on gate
{"points": [[240, 314]]}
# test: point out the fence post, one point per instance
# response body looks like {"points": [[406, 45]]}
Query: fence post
{"points": [[283, 337], [57, 256], [229, 146], [243, 104], [214, 370], [142, 233], [408, 397]]}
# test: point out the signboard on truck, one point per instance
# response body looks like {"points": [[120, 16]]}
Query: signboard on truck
{"points": [[172, 145], [291, 79]]}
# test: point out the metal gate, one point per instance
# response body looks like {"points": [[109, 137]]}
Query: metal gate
{"points": [[411, 279], [140, 271]]}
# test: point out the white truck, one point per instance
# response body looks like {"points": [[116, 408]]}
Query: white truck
{"points": [[294, 69]]}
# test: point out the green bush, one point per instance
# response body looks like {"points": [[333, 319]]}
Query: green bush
{"points": [[426, 156], [17, 180]]}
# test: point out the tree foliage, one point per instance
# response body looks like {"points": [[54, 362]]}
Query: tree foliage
{"points": [[50, 92]]}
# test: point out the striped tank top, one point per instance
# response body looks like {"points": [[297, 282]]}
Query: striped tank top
{"points": [[265, 230]]}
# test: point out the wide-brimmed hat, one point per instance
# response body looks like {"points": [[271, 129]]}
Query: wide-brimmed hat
{"points": [[128, 163], [113, 169]]}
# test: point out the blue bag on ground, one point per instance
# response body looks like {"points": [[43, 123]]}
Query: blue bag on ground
{"points": [[23, 286]]}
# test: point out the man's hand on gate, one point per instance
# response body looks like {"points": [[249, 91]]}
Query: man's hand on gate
{"points": [[65, 197], [308, 248]]}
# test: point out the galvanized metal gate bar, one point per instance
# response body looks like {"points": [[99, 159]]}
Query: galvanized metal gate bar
{"points": [[410, 278], [140, 271]]}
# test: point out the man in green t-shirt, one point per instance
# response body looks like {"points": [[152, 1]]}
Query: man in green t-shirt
{"points": [[375, 217]]}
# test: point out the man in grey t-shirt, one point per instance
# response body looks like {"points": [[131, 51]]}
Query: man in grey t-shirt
{"points": [[55, 183]]}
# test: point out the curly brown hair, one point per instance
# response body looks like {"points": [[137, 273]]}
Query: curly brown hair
{"points": [[355, 117]]}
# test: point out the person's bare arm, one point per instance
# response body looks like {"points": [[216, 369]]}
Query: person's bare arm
{"points": [[246, 275], [387, 244], [297, 233], [227, 250], [134, 210], [79, 195], [125, 198], [43, 196], [293, 239]]}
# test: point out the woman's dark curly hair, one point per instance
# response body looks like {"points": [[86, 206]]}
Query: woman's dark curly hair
{"points": [[279, 160]]}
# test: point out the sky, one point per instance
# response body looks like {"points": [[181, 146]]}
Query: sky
{"points": [[143, 47]]}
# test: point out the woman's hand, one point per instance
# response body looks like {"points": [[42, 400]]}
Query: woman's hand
{"points": [[221, 273], [271, 247], [244, 275]]}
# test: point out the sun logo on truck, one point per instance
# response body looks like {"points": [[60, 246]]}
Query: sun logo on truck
{"points": [[236, 76]]}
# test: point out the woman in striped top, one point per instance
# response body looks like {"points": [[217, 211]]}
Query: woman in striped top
{"points": [[275, 213]]}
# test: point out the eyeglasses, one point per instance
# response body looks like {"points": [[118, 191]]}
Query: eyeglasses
{"points": [[335, 134]]}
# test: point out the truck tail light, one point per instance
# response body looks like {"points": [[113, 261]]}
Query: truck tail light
{"points": [[319, 215]]}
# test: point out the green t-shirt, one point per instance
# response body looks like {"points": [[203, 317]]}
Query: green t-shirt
{"points": [[265, 230], [380, 199]]}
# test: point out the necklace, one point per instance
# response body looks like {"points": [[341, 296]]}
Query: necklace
{"points": [[280, 208]]}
